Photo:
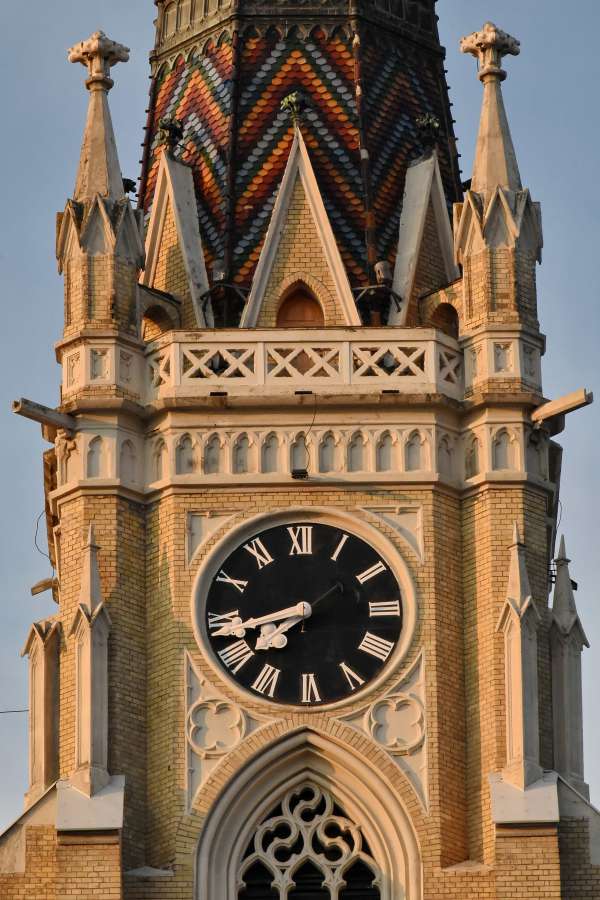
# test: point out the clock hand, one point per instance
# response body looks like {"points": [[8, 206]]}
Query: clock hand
{"points": [[273, 636], [300, 610], [276, 637]]}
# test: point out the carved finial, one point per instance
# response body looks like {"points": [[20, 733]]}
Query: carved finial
{"points": [[490, 46], [99, 54], [429, 130], [171, 132], [495, 164], [99, 172], [295, 104]]}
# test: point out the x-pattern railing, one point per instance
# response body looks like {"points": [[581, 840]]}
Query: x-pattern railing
{"points": [[387, 361], [304, 361], [218, 362]]}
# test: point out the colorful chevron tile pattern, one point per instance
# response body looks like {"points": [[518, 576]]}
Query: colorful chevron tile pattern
{"points": [[197, 92], [399, 85]]}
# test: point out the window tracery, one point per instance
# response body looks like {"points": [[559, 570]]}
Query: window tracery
{"points": [[307, 847]]}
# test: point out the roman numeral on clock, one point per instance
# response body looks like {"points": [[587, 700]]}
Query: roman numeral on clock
{"points": [[267, 680], [216, 621], [236, 655], [301, 540], [339, 548], [384, 608], [310, 693], [259, 552], [377, 569], [234, 582], [352, 678], [376, 646]]}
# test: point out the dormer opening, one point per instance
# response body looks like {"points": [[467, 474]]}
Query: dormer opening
{"points": [[300, 308], [445, 318]]}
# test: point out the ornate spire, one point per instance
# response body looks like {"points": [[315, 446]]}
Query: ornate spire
{"points": [[90, 593], [564, 607], [99, 170], [495, 158]]}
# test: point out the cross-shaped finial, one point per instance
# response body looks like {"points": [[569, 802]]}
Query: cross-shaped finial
{"points": [[490, 45], [99, 54]]}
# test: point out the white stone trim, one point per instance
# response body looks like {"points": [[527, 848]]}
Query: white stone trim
{"points": [[175, 185], [306, 755], [423, 186]]}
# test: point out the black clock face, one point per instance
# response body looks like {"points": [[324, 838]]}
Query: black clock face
{"points": [[304, 614]]}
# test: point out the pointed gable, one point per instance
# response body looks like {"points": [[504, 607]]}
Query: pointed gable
{"points": [[300, 249], [425, 258], [175, 257]]}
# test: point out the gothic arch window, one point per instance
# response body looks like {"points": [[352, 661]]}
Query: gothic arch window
{"points": [[127, 462], [300, 309], [241, 455], [159, 460], [502, 452], [413, 455], [170, 25], [270, 454], [472, 458], [446, 457], [536, 456], [356, 454], [186, 456], [307, 848], [184, 13], [327, 454], [385, 453], [299, 457], [212, 455], [95, 458]]}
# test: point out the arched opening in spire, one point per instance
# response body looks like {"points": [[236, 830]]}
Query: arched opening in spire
{"points": [[300, 309], [445, 318], [155, 322]]}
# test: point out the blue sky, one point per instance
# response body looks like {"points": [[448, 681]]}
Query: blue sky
{"points": [[551, 95]]}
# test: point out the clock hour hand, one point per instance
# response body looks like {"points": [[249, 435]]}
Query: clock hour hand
{"points": [[272, 635], [239, 628]]}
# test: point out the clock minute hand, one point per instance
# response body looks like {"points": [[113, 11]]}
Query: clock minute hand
{"points": [[300, 610]]}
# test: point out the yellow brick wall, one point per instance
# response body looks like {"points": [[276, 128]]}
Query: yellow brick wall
{"points": [[170, 274], [579, 878], [38, 882], [300, 257], [528, 864]]}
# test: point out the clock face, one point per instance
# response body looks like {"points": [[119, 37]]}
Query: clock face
{"points": [[304, 614]]}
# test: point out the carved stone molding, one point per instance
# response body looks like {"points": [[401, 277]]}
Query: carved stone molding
{"points": [[397, 723], [214, 726]]}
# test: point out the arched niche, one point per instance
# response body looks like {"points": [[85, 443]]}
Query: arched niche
{"points": [[300, 309], [300, 757], [446, 319]]}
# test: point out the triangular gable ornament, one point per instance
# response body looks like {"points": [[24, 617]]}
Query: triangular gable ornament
{"points": [[423, 189], [175, 191], [300, 167]]}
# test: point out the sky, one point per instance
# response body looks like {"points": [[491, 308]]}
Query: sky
{"points": [[553, 109]]}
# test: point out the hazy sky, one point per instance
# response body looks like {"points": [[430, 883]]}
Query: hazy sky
{"points": [[552, 100]]}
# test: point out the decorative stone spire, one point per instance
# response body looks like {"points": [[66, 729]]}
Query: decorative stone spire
{"points": [[564, 609], [99, 170], [519, 590], [567, 640], [90, 593], [519, 623], [495, 158]]}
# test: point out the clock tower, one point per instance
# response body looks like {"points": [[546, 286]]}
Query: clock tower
{"points": [[315, 636]]}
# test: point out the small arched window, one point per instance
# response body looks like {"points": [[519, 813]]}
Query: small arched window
{"points": [[127, 461], [412, 453], [327, 454], [385, 453], [95, 458], [269, 454], [241, 454], [186, 456], [445, 318], [300, 309], [356, 448]]}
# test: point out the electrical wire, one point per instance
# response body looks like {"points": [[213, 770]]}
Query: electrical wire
{"points": [[35, 539], [12, 712]]}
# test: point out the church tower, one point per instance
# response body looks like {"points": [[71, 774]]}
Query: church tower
{"points": [[310, 640]]}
